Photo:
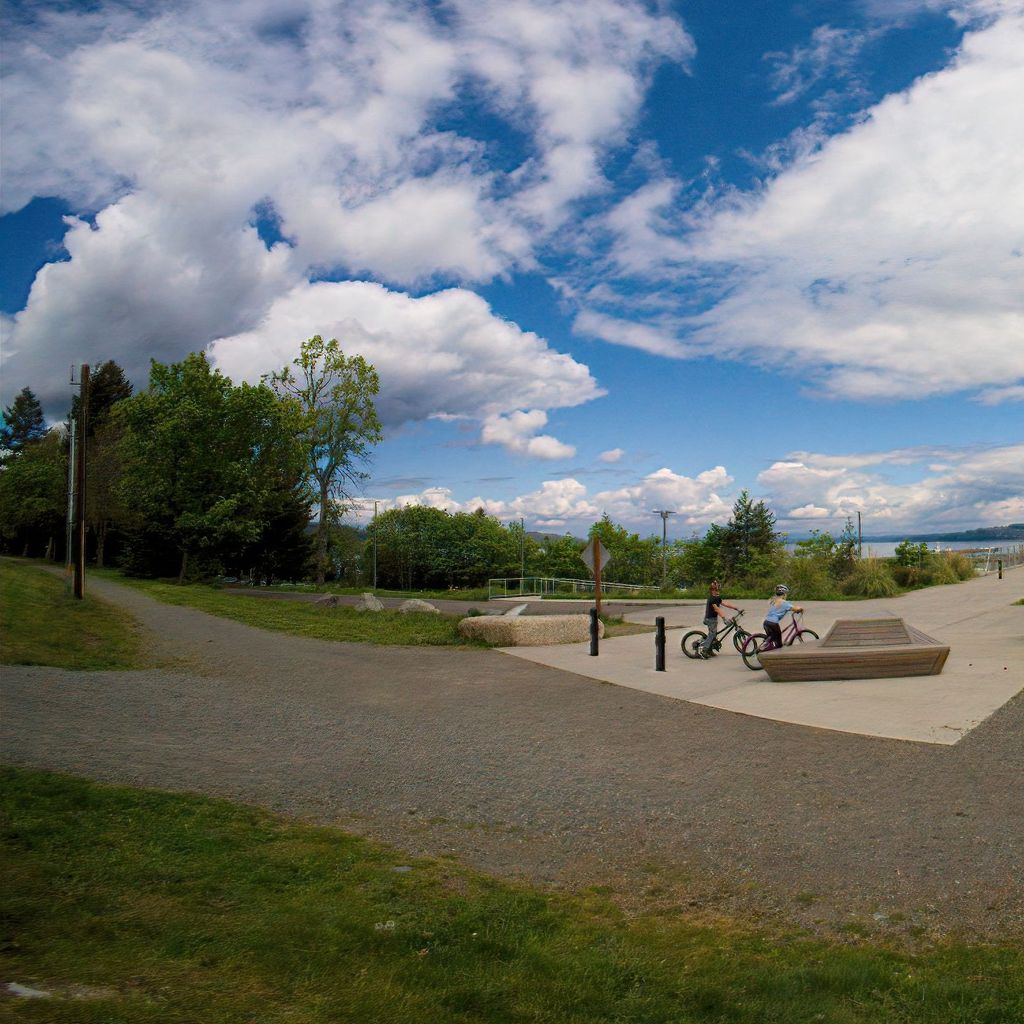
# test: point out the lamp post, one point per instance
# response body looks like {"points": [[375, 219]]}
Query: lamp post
{"points": [[664, 513], [375, 545]]}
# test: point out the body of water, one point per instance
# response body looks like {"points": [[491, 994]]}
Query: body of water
{"points": [[886, 549]]}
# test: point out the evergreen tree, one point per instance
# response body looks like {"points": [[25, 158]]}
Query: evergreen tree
{"points": [[23, 423], [750, 545], [107, 386]]}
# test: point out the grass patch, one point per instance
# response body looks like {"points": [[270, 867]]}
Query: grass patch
{"points": [[42, 624], [305, 618], [180, 909]]}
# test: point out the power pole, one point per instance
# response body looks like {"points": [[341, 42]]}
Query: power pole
{"points": [[375, 547], [664, 513], [69, 539], [83, 433], [859, 544], [522, 552]]}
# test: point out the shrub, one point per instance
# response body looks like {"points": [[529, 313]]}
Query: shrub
{"points": [[871, 578], [960, 564], [808, 580]]}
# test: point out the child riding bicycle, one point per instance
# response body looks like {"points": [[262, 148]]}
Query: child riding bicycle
{"points": [[778, 608], [712, 613]]}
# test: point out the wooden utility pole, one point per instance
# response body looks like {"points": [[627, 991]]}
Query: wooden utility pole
{"points": [[83, 427]]}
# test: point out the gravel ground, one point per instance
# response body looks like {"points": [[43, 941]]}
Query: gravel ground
{"points": [[532, 773]]}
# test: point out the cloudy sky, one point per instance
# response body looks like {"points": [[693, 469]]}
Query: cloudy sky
{"points": [[607, 255]]}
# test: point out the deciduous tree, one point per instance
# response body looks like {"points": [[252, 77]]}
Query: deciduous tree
{"points": [[204, 459], [336, 393]]}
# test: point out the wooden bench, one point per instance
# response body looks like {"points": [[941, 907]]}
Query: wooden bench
{"points": [[859, 649]]}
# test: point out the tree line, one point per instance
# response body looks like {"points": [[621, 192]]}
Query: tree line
{"points": [[196, 476]]}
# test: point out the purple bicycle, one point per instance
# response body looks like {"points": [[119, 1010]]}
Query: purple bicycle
{"points": [[758, 642]]}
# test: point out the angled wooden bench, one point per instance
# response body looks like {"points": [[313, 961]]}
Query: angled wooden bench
{"points": [[859, 649]]}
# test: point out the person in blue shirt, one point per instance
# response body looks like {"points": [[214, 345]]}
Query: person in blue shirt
{"points": [[778, 607], [712, 613]]}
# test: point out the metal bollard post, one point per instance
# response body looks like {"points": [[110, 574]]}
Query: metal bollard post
{"points": [[593, 632], [659, 644], [1000, 568]]}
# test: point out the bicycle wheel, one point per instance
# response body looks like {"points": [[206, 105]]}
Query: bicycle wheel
{"points": [[751, 652], [804, 634], [739, 638], [692, 641]]}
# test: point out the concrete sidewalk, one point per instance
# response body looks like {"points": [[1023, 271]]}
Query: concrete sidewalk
{"points": [[977, 619]]}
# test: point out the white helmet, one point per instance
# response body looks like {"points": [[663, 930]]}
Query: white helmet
{"points": [[782, 590]]}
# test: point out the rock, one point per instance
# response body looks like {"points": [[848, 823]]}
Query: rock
{"points": [[329, 601], [369, 603], [529, 630], [414, 604]]}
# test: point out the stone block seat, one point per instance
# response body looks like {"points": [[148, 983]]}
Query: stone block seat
{"points": [[859, 649], [528, 630]]}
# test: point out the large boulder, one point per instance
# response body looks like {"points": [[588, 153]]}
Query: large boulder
{"points": [[414, 604], [369, 603], [528, 630], [329, 601]]}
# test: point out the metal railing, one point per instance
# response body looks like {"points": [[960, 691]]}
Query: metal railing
{"points": [[539, 586]]}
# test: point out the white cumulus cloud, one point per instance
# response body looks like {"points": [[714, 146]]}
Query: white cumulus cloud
{"points": [[445, 355]]}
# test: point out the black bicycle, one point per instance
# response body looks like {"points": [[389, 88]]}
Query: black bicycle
{"points": [[694, 640]]}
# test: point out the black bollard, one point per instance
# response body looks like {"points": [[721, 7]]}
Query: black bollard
{"points": [[659, 644], [1000, 568], [593, 632]]}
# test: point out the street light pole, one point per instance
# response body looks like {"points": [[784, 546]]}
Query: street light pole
{"points": [[522, 552], [664, 513], [375, 547]]}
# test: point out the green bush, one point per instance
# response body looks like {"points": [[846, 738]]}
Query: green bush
{"points": [[871, 578], [908, 576], [960, 564], [808, 579]]}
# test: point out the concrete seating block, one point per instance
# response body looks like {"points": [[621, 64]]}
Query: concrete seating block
{"points": [[528, 630], [879, 648]]}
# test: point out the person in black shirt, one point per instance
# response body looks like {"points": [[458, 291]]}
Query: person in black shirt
{"points": [[712, 613]]}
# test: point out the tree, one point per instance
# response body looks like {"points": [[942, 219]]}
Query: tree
{"points": [[750, 547], [104, 508], [632, 560], [336, 395], [559, 558], [33, 496], [23, 423], [204, 460], [107, 386]]}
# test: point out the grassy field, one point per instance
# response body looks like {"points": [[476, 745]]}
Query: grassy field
{"points": [[131, 907], [305, 618], [41, 624]]}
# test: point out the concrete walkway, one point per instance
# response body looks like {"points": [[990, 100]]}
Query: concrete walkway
{"points": [[978, 620]]}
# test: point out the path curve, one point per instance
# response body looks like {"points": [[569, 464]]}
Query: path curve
{"points": [[526, 771]]}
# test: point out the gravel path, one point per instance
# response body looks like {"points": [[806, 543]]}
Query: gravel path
{"points": [[529, 772]]}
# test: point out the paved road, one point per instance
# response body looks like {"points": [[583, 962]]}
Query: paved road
{"points": [[527, 771]]}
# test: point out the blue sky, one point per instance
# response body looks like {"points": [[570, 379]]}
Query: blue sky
{"points": [[606, 255]]}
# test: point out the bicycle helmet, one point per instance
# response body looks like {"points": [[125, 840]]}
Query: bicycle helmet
{"points": [[782, 590]]}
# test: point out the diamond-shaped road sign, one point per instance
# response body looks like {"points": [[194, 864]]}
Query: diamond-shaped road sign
{"points": [[595, 551]]}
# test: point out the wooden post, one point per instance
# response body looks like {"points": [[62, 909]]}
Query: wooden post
{"points": [[83, 426]]}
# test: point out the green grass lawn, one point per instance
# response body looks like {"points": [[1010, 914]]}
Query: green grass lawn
{"points": [[305, 618], [151, 907], [42, 624]]}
